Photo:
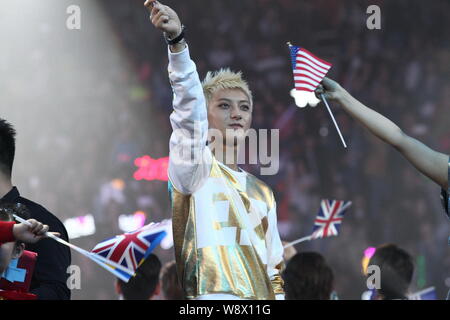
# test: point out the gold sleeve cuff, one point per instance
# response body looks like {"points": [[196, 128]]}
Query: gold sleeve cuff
{"points": [[277, 284]]}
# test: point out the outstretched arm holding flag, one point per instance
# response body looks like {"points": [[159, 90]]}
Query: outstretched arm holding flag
{"points": [[433, 164]]}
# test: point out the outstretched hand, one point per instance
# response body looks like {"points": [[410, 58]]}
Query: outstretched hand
{"points": [[164, 18], [330, 89], [30, 232]]}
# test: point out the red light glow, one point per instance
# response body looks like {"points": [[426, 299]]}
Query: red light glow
{"points": [[151, 169]]}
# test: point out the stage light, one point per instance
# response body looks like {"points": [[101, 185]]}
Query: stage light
{"points": [[118, 184], [130, 223], [82, 226], [368, 254], [151, 169]]}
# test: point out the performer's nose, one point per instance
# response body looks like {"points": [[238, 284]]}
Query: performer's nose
{"points": [[236, 113]]}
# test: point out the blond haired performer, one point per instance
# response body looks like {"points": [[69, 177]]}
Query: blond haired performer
{"points": [[226, 239]]}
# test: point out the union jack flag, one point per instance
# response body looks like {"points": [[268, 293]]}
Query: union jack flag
{"points": [[329, 219], [131, 249], [309, 70]]}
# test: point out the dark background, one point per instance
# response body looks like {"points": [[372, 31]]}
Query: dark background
{"points": [[87, 102]]}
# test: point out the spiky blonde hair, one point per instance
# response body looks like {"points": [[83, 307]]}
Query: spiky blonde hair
{"points": [[224, 79]]}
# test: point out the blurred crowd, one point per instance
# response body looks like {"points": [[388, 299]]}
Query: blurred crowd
{"points": [[401, 71]]}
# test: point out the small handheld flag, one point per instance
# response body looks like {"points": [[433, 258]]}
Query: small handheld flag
{"points": [[123, 254], [101, 261], [130, 249], [328, 220], [309, 71]]}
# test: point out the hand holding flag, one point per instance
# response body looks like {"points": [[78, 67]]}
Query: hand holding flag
{"points": [[123, 254], [330, 89], [309, 71], [31, 231]]}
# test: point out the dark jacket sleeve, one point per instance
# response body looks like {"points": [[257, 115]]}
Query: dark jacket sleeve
{"points": [[50, 276]]}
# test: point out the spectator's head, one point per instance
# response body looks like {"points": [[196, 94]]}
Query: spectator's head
{"points": [[7, 148], [11, 250], [145, 284], [230, 104], [308, 277], [396, 271], [170, 285]]}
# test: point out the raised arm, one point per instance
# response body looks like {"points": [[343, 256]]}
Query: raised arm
{"points": [[431, 163], [190, 158]]}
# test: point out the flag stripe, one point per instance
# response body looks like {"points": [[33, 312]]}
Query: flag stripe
{"points": [[305, 86], [97, 250], [312, 64], [329, 226], [308, 74], [312, 68], [319, 61], [305, 67], [325, 221], [307, 80]]}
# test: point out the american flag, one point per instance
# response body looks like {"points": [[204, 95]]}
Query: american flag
{"points": [[131, 249], [309, 70], [329, 219]]}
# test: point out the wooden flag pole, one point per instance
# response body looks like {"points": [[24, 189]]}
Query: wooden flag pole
{"points": [[334, 120]]}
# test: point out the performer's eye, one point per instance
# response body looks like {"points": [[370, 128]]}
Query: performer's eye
{"points": [[224, 105], [245, 107]]}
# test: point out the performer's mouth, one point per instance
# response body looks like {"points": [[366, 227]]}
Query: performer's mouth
{"points": [[236, 126]]}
